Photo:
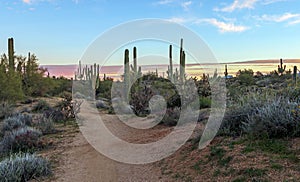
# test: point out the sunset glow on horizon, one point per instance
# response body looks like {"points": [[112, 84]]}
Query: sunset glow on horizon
{"points": [[59, 32]]}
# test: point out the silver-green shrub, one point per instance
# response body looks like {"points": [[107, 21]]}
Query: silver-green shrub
{"points": [[267, 115], [22, 139], [23, 167], [16, 121], [278, 117]]}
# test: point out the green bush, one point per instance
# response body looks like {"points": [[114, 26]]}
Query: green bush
{"points": [[23, 167], [245, 76], [104, 89], [22, 139], [204, 102]]}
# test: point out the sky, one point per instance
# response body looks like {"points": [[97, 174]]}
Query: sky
{"points": [[59, 31]]}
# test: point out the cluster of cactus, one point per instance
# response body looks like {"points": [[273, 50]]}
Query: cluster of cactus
{"points": [[281, 67], [89, 74], [181, 75]]}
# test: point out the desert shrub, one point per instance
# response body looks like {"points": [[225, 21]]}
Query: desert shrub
{"points": [[291, 92], [104, 89], [6, 110], [45, 125], [171, 117], [262, 115], [23, 167], [16, 121], [205, 102], [67, 107], [41, 106], [55, 114], [275, 119], [245, 76], [60, 85], [22, 139], [237, 112], [148, 86]]}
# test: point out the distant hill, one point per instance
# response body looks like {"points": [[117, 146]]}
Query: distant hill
{"points": [[68, 70], [266, 61]]}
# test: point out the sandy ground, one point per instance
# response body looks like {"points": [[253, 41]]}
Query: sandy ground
{"points": [[79, 161]]}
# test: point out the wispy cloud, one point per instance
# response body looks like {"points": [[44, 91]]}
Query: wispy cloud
{"points": [[290, 18], [223, 26], [186, 5], [267, 2], [178, 20], [238, 4], [163, 2], [246, 4]]}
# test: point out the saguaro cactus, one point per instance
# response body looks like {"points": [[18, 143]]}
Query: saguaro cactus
{"points": [[281, 68], [182, 62], [170, 71], [135, 61], [126, 71], [295, 74], [90, 74], [226, 72], [94, 75], [11, 57]]}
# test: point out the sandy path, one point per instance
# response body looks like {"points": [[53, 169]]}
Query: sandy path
{"points": [[82, 163], [79, 161]]}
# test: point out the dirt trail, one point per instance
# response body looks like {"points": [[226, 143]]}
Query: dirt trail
{"points": [[79, 161]]}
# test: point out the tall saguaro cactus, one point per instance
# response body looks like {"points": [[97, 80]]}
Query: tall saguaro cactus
{"points": [[281, 68], [182, 61], [171, 76], [295, 74], [11, 56], [126, 71], [94, 75], [226, 72], [135, 69]]}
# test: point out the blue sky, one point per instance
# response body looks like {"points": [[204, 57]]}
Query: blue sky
{"points": [[59, 31]]}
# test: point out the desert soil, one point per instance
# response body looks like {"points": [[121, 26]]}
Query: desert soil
{"points": [[76, 160]]}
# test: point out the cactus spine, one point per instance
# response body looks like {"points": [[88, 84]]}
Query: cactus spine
{"points": [[11, 57], [281, 68]]}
